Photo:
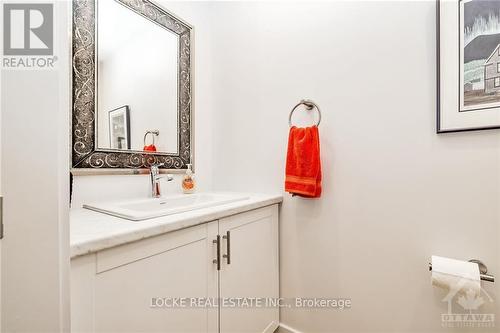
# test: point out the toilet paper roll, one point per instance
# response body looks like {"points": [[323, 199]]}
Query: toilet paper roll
{"points": [[455, 275]]}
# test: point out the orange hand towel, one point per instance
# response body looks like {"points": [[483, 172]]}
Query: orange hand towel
{"points": [[150, 148], [303, 162]]}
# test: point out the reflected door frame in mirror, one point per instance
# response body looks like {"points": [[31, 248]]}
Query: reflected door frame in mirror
{"points": [[85, 153]]}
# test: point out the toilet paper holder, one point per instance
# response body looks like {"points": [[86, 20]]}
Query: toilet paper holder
{"points": [[483, 270]]}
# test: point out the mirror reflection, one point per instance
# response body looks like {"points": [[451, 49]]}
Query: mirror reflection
{"points": [[137, 82]]}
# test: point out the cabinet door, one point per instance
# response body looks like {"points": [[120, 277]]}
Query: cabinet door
{"points": [[177, 265], [253, 270]]}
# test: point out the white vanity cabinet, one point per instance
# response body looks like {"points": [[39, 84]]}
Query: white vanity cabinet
{"points": [[251, 270], [130, 288], [113, 290]]}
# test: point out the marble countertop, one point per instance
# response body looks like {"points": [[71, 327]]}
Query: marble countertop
{"points": [[91, 231]]}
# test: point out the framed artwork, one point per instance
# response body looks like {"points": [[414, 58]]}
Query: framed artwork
{"points": [[468, 65], [119, 128]]}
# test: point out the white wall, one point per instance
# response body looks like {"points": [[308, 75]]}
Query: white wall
{"points": [[394, 191], [35, 185]]}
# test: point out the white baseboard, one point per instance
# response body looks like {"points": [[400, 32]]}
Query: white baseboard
{"points": [[272, 327], [283, 328]]}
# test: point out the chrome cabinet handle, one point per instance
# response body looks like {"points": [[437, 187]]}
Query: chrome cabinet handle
{"points": [[1, 217], [217, 261], [227, 237]]}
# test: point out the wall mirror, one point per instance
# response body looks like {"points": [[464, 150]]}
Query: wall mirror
{"points": [[132, 102]]}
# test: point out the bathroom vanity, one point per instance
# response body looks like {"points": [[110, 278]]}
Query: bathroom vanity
{"points": [[185, 272]]}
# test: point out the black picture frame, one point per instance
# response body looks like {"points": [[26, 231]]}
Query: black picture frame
{"points": [[126, 112], [439, 80]]}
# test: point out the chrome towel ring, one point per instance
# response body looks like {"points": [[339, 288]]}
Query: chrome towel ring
{"points": [[309, 106], [153, 134]]}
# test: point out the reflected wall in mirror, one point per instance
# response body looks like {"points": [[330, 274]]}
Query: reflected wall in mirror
{"points": [[137, 66], [131, 86]]}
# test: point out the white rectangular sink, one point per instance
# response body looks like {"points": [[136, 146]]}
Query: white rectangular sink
{"points": [[143, 209]]}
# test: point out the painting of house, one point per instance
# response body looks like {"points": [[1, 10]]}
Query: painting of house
{"points": [[492, 72], [480, 54]]}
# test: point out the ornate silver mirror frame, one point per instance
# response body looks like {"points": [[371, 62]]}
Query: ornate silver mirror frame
{"points": [[85, 153]]}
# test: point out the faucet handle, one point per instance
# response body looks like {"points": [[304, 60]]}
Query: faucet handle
{"points": [[157, 165], [168, 177]]}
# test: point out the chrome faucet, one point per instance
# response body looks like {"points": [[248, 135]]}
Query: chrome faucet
{"points": [[154, 172]]}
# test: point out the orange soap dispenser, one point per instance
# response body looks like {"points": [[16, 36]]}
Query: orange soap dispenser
{"points": [[188, 184]]}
